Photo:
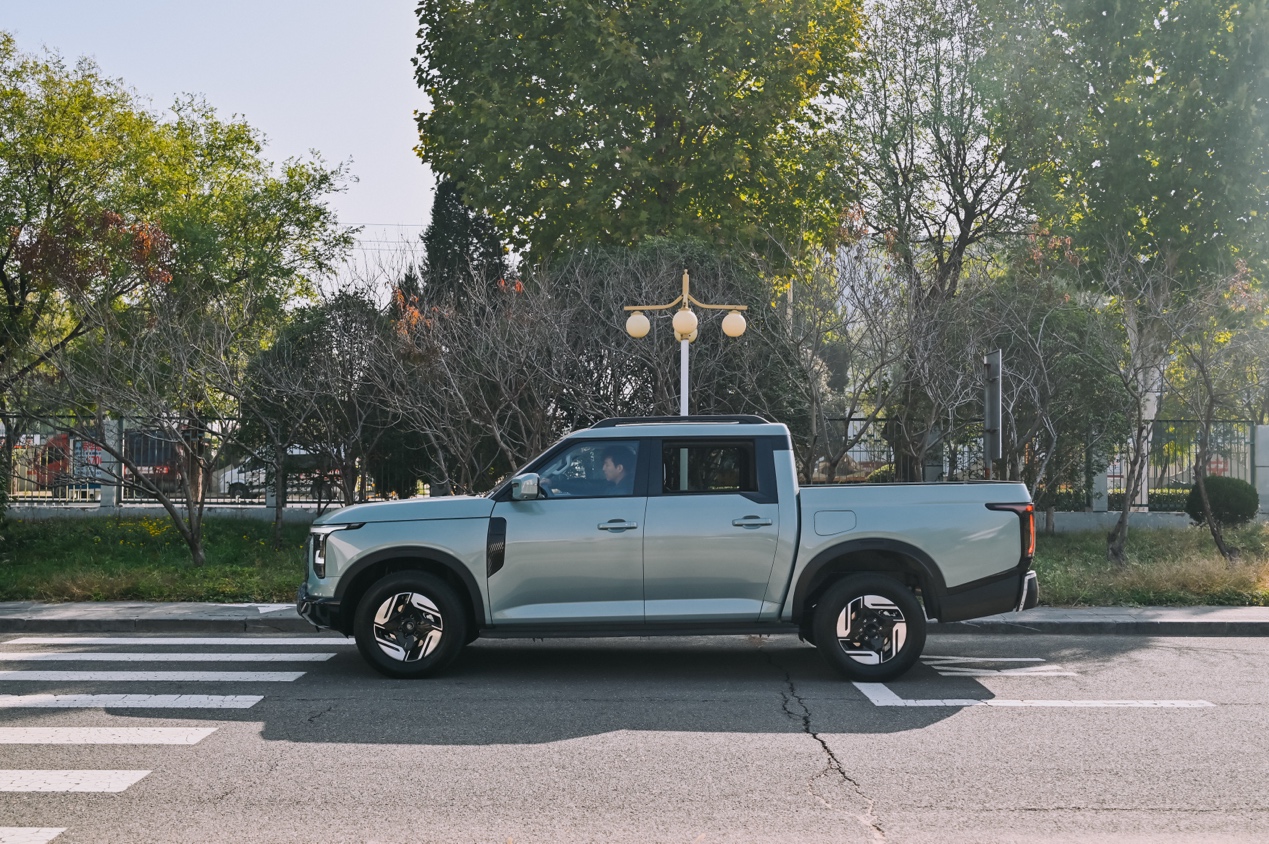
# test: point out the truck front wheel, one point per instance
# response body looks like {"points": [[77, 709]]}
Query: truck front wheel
{"points": [[409, 624], [870, 627]]}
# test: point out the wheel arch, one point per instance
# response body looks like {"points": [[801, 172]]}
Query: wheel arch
{"points": [[358, 578], [890, 557]]}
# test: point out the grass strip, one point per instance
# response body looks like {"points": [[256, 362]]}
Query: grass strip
{"points": [[118, 559], [130, 559], [1166, 567]]}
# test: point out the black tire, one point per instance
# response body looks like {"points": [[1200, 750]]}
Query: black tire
{"points": [[410, 625], [869, 627]]}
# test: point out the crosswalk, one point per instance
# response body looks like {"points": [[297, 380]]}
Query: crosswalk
{"points": [[16, 669]]}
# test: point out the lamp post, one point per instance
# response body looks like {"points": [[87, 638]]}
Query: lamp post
{"points": [[685, 328]]}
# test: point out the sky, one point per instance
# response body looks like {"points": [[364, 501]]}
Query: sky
{"points": [[327, 75]]}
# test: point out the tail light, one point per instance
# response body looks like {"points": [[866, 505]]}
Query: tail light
{"points": [[1026, 520]]}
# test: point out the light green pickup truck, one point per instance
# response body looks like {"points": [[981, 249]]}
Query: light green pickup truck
{"points": [[671, 525]]}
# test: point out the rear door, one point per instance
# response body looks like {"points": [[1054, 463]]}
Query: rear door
{"points": [[712, 524]]}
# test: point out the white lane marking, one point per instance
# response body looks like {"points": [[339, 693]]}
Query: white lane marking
{"points": [[47, 701], [29, 834], [150, 676], [63, 781], [324, 641], [104, 735], [1037, 671], [979, 666], [880, 695], [265, 608], [952, 659], [101, 656]]}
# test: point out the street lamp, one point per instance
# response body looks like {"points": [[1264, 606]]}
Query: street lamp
{"points": [[685, 328]]}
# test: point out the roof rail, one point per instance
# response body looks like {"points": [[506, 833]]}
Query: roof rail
{"points": [[735, 419]]}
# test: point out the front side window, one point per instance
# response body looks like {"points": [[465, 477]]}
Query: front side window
{"points": [[592, 469], [708, 467]]}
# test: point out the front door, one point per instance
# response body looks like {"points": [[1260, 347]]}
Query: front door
{"points": [[711, 534], [576, 554]]}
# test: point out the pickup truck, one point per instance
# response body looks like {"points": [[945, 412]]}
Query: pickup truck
{"points": [[671, 525]]}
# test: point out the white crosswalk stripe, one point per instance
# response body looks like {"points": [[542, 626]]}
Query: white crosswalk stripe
{"points": [[104, 735], [29, 834], [48, 701], [151, 676], [63, 781], [140, 649], [102, 656], [155, 641]]}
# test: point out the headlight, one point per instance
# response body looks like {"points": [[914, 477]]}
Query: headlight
{"points": [[317, 538]]}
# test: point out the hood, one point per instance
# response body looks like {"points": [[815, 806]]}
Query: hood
{"points": [[411, 509]]}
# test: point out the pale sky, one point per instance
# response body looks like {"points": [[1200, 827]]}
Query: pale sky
{"points": [[311, 74]]}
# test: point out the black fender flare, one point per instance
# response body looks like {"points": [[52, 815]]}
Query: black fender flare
{"points": [[933, 585], [430, 555]]}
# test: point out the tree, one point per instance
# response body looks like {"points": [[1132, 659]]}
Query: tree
{"points": [[244, 238], [325, 392], [79, 227], [1216, 336], [1145, 127], [937, 195], [460, 245], [580, 122], [492, 383]]}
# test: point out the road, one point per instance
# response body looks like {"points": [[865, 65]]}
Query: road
{"points": [[1083, 738]]}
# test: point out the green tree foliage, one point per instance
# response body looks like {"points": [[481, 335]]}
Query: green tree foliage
{"points": [[1145, 126], [77, 203], [581, 121], [461, 245]]}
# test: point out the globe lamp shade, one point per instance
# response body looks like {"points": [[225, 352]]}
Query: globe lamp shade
{"points": [[734, 324], [684, 322], [637, 325]]}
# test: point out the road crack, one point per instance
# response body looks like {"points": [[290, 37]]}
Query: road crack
{"points": [[796, 710], [317, 715]]}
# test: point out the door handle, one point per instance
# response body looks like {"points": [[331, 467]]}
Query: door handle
{"points": [[751, 521], [617, 524]]}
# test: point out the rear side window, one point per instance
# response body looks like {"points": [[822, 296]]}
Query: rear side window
{"points": [[708, 467]]}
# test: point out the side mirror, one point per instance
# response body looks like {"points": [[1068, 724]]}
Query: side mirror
{"points": [[525, 487]]}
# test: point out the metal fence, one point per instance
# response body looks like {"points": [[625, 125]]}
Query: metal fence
{"points": [[953, 455], [1174, 447], [52, 466]]}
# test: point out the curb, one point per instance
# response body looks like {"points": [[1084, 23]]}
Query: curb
{"points": [[154, 625], [191, 618], [1135, 627]]}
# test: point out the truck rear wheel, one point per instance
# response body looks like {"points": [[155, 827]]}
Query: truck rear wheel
{"points": [[409, 625], [869, 627]]}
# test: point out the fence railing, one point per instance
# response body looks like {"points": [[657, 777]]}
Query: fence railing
{"points": [[53, 466], [1174, 448]]}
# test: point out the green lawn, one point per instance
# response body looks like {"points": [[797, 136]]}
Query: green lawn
{"points": [[1167, 567], [108, 559]]}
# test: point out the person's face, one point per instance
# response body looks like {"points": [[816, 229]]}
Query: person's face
{"points": [[613, 472]]}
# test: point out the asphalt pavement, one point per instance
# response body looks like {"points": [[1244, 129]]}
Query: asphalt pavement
{"points": [[286, 737]]}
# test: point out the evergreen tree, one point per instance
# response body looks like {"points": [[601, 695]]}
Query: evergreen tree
{"points": [[461, 246]]}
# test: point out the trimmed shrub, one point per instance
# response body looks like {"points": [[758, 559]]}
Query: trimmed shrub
{"points": [[1234, 502], [882, 475]]}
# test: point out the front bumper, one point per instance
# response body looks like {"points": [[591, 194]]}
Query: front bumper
{"points": [[321, 612]]}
